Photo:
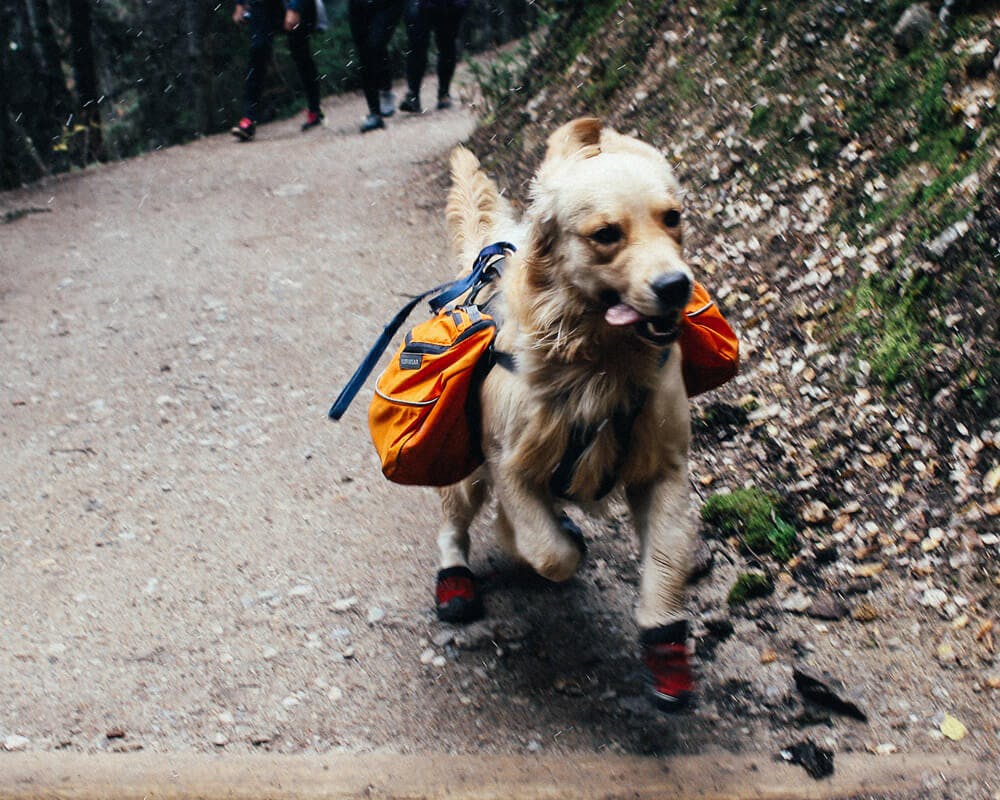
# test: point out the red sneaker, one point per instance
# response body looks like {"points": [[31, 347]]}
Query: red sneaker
{"points": [[456, 595], [665, 655], [313, 119], [244, 129]]}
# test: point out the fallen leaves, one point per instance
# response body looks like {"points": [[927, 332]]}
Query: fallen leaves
{"points": [[953, 728]]}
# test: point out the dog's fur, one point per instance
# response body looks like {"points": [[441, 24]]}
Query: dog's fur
{"points": [[575, 303]]}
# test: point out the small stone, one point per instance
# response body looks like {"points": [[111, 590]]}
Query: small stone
{"points": [[945, 653], [913, 27], [220, 739], [269, 653], [443, 638], [933, 598], [15, 743], [768, 656], [300, 591], [816, 512], [257, 739], [826, 606], [796, 602], [375, 615], [115, 733], [290, 702], [534, 746], [886, 749], [335, 694], [225, 718], [864, 612], [344, 604], [439, 661], [427, 656]]}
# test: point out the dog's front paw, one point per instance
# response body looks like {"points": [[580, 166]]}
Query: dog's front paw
{"points": [[665, 655], [457, 597]]}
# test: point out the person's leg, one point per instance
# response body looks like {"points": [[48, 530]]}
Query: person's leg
{"points": [[384, 24], [446, 27], [298, 46], [361, 20], [261, 36], [418, 36]]}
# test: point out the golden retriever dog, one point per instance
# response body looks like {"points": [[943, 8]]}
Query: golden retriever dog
{"points": [[588, 394]]}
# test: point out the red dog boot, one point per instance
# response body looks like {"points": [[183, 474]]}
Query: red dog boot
{"points": [[664, 652], [456, 596]]}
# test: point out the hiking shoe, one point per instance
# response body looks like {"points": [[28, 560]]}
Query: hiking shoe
{"points": [[244, 129], [410, 104], [387, 103], [372, 122], [313, 120], [665, 656], [444, 102], [456, 596]]}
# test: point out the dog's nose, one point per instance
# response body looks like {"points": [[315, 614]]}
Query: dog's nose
{"points": [[672, 289]]}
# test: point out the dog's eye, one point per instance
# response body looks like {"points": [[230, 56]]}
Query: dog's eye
{"points": [[609, 234], [672, 218]]}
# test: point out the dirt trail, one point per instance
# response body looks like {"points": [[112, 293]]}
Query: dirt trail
{"points": [[192, 558]]}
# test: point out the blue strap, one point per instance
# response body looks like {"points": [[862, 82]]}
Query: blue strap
{"points": [[442, 295], [461, 286]]}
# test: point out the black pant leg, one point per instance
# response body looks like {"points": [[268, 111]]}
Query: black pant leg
{"points": [[383, 26], [360, 16], [298, 46], [446, 27], [262, 27], [418, 39]]}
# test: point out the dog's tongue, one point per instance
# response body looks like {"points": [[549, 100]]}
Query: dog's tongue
{"points": [[622, 314]]}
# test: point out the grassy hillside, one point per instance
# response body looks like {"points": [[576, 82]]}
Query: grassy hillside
{"points": [[814, 105]]}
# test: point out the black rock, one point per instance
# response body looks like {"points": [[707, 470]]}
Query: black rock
{"points": [[828, 692], [817, 761]]}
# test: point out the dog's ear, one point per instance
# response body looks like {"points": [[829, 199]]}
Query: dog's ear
{"points": [[581, 137], [539, 258]]}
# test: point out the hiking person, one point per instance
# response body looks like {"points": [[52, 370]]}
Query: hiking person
{"points": [[265, 17], [372, 24], [443, 17]]}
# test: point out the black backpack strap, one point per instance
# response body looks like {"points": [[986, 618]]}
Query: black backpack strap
{"points": [[581, 438]]}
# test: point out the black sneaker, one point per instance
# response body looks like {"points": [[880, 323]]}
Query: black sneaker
{"points": [[411, 104], [444, 102], [313, 120], [244, 129], [372, 122]]}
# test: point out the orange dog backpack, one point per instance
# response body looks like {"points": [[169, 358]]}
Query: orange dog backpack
{"points": [[423, 417], [710, 350]]}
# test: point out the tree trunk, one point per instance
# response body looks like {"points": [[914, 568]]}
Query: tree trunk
{"points": [[195, 72], [85, 74]]}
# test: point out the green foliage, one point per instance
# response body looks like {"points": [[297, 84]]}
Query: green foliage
{"points": [[749, 585], [751, 515]]}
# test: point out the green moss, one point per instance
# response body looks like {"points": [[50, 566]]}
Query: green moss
{"points": [[751, 515], [748, 586]]}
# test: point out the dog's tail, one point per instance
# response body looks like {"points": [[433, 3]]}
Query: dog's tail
{"points": [[474, 208]]}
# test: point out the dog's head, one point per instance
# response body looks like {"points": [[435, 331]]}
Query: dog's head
{"points": [[606, 232]]}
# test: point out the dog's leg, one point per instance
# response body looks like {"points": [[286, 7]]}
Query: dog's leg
{"points": [[455, 592], [661, 518], [459, 505], [526, 521]]}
